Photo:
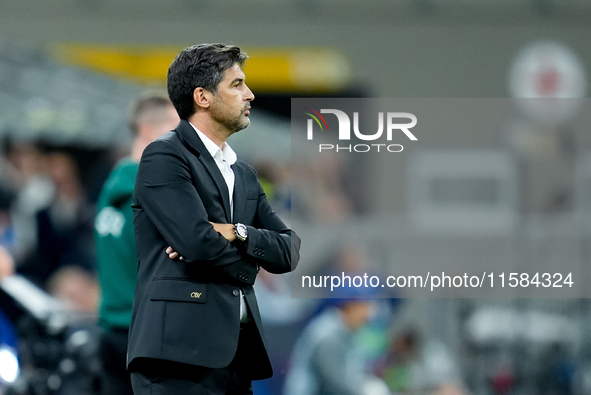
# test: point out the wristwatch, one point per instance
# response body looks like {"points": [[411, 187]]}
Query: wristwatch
{"points": [[241, 232]]}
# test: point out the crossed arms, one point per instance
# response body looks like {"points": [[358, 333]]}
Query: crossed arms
{"points": [[165, 190], [226, 230]]}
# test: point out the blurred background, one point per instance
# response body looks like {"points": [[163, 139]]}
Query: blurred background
{"points": [[69, 70]]}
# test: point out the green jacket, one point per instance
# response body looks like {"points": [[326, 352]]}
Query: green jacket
{"points": [[115, 241]]}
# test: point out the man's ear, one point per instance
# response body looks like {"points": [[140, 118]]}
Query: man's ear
{"points": [[202, 98]]}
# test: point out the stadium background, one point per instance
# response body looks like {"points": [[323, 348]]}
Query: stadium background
{"points": [[68, 70]]}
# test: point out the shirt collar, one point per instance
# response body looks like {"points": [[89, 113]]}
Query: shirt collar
{"points": [[214, 150]]}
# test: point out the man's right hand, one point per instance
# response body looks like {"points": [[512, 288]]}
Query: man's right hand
{"points": [[226, 230]]}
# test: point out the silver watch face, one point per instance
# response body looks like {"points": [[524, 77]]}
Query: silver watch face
{"points": [[241, 232]]}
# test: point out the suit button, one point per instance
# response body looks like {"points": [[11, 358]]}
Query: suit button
{"points": [[235, 292]]}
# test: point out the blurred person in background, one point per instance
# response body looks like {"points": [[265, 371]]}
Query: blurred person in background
{"points": [[8, 339], [26, 172], [51, 215], [152, 115], [411, 366], [7, 236], [329, 359], [65, 226], [76, 288], [557, 371]]}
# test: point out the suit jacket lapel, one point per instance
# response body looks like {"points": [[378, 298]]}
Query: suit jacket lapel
{"points": [[239, 192], [194, 143]]}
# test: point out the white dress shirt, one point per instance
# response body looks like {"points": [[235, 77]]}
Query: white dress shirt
{"points": [[224, 158]]}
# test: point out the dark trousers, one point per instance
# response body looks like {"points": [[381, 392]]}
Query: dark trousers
{"points": [[159, 377], [115, 379]]}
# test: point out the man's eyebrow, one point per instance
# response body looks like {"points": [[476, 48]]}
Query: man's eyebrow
{"points": [[237, 79]]}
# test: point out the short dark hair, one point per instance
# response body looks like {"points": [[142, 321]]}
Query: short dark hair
{"points": [[197, 66], [147, 105]]}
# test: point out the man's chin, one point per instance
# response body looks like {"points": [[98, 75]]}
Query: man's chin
{"points": [[245, 123], [242, 125]]}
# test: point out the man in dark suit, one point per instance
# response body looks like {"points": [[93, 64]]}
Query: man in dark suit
{"points": [[196, 327]]}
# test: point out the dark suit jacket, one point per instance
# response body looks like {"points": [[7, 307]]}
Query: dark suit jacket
{"points": [[188, 311]]}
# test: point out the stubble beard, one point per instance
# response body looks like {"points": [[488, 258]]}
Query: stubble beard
{"points": [[232, 123], [239, 123]]}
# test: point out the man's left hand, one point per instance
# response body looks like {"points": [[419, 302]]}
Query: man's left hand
{"points": [[172, 254]]}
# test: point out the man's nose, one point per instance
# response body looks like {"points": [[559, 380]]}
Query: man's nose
{"points": [[249, 95]]}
